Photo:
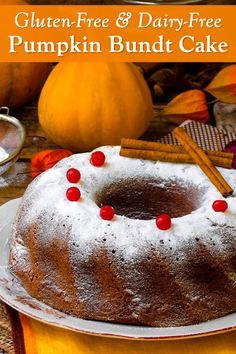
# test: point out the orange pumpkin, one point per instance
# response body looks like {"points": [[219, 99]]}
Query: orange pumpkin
{"points": [[21, 82], [13, 2], [86, 105]]}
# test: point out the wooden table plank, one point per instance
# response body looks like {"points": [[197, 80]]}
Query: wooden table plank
{"points": [[14, 182]]}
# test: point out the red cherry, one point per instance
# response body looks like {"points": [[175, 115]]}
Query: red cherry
{"points": [[73, 175], [163, 221], [107, 212], [97, 158], [220, 206], [73, 194]]}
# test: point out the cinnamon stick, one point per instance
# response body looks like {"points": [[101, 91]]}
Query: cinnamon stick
{"points": [[157, 146], [180, 157], [203, 161]]}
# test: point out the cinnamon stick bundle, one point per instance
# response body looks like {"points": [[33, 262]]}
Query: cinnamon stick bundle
{"points": [[171, 157], [170, 153]]}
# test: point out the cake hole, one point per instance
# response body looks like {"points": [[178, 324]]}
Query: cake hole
{"points": [[113, 251], [145, 199]]}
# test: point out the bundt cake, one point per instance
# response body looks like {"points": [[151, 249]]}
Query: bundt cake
{"points": [[86, 241]]}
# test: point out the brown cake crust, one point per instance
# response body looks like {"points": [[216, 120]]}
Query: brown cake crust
{"points": [[163, 283]]}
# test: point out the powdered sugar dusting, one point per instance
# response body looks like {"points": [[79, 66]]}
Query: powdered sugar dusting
{"points": [[3, 154], [47, 194]]}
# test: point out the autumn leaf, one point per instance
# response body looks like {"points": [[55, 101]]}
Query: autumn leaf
{"points": [[46, 159], [51, 159], [36, 162], [190, 104], [223, 86]]}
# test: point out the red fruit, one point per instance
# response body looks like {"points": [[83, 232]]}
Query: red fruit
{"points": [[107, 212], [97, 158], [73, 194], [220, 206], [163, 221], [73, 175]]}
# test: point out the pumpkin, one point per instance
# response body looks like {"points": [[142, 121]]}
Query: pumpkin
{"points": [[86, 105], [21, 82], [13, 2]]}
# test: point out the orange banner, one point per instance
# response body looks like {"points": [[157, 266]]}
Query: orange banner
{"points": [[118, 33]]}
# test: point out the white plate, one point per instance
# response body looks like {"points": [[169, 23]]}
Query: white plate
{"points": [[14, 295]]}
